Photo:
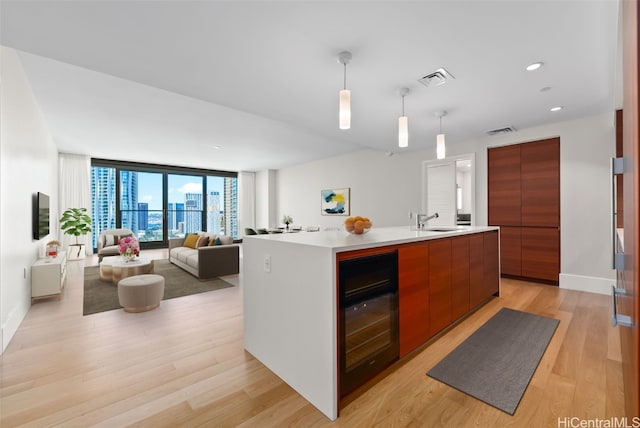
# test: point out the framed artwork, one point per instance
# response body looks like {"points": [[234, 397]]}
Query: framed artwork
{"points": [[334, 201]]}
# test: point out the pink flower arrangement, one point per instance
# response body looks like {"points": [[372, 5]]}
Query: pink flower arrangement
{"points": [[128, 247]]}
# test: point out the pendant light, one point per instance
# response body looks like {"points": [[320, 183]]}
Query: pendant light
{"points": [[403, 122], [440, 148], [345, 94]]}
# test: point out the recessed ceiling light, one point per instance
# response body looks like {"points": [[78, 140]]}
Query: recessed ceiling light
{"points": [[216, 147], [545, 89], [556, 108], [534, 66]]}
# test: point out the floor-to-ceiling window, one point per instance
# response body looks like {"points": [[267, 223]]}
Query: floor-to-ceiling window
{"points": [[161, 202], [142, 204], [185, 195]]}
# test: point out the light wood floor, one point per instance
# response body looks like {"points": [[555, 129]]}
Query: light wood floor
{"points": [[184, 365]]}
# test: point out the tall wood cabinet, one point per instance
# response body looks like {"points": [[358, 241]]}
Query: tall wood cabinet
{"points": [[524, 200]]}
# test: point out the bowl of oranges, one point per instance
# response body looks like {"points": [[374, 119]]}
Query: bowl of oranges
{"points": [[357, 225]]}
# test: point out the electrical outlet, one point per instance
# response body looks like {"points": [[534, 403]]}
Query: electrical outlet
{"points": [[267, 263]]}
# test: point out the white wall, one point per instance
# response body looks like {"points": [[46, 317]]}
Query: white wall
{"points": [[29, 164], [266, 215], [385, 188]]}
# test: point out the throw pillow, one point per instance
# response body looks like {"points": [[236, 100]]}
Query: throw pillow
{"points": [[217, 242], [109, 240], [191, 240], [202, 241]]}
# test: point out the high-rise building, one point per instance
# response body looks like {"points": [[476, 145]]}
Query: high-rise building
{"points": [[103, 201], [231, 206], [143, 216], [213, 212], [193, 212], [171, 218], [175, 217], [129, 200], [180, 214]]}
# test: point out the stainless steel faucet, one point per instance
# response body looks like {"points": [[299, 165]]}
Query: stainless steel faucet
{"points": [[422, 219]]}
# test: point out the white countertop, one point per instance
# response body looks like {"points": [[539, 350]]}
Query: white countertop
{"points": [[341, 240]]}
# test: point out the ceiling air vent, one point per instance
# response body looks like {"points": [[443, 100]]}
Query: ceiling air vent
{"points": [[438, 77], [505, 130]]}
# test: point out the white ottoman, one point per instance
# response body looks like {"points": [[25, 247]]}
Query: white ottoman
{"points": [[140, 293]]}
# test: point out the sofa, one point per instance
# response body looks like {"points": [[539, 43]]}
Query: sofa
{"points": [[205, 255], [108, 242]]}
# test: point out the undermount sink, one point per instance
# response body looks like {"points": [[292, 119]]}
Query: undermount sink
{"points": [[435, 229], [441, 229]]}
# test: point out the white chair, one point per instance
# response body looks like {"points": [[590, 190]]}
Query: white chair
{"points": [[108, 242]]}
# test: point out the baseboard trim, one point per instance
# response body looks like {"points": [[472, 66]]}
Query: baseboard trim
{"points": [[589, 284], [10, 327]]}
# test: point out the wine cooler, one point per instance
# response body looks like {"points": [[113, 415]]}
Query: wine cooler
{"points": [[368, 317]]}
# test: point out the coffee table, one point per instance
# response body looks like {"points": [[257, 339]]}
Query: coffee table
{"points": [[115, 268]]}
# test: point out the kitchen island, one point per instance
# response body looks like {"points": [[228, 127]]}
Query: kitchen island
{"points": [[292, 301]]}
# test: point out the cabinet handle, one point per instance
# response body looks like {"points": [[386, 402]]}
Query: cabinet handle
{"points": [[617, 167], [618, 319]]}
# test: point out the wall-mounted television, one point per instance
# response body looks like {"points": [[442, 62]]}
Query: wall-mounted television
{"points": [[40, 215]]}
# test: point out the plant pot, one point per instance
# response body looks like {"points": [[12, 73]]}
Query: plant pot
{"points": [[76, 252]]}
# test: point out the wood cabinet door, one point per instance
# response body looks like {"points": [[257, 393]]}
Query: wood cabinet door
{"points": [[541, 253], [413, 290], [540, 175], [504, 185], [460, 277], [476, 269], [630, 303], [491, 265], [510, 251], [439, 285]]}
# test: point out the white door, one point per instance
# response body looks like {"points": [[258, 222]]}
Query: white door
{"points": [[440, 194]]}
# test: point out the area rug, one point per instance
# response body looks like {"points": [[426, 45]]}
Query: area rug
{"points": [[100, 296], [496, 363]]}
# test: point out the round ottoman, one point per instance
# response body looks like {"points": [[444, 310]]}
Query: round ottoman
{"points": [[140, 293]]}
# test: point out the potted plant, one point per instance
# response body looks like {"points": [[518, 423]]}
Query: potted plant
{"points": [[75, 222], [287, 220]]}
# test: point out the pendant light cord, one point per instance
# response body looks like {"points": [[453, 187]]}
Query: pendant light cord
{"points": [[403, 105], [345, 75]]}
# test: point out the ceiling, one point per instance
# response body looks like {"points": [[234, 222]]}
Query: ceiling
{"points": [[254, 85]]}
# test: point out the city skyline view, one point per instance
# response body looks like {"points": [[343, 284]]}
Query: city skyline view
{"points": [[150, 188], [143, 210]]}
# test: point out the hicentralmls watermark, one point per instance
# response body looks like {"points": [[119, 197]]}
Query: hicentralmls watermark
{"points": [[615, 422]]}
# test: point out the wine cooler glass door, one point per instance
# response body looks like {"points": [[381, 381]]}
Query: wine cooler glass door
{"points": [[368, 318]]}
